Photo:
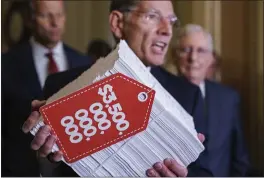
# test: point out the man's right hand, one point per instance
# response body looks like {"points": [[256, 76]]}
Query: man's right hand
{"points": [[43, 140]]}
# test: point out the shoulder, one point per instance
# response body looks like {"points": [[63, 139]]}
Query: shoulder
{"points": [[15, 57], [17, 51], [223, 90], [172, 80], [179, 87], [73, 51], [56, 81], [76, 58], [68, 74]]}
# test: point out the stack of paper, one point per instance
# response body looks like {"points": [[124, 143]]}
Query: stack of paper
{"points": [[170, 132]]}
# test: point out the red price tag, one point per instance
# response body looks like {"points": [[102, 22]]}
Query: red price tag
{"points": [[99, 115]]}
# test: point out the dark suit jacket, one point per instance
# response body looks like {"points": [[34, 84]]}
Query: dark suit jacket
{"points": [[225, 153], [20, 85], [187, 95]]}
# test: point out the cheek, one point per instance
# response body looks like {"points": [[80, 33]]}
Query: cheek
{"points": [[146, 43], [42, 26], [205, 65], [142, 33], [62, 22], [135, 39], [183, 62]]}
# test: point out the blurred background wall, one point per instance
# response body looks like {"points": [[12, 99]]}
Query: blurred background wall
{"points": [[237, 29]]}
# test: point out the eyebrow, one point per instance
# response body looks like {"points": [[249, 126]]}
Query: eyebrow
{"points": [[158, 11]]}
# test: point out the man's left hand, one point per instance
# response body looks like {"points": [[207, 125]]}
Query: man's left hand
{"points": [[169, 168]]}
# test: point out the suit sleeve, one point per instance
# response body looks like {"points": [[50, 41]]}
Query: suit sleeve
{"points": [[240, 160]]}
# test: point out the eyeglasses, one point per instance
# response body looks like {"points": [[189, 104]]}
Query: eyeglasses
{"points": [[154, 17], [188, 50]]}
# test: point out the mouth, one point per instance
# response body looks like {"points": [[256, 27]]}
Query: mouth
{"points": [[159, 47], [194, 68]]}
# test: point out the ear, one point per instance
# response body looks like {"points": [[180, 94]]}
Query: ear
{"points": [[116, 21], [211, 60]]}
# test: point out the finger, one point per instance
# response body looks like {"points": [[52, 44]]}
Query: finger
{"points": [[40, 137], [201, 137], [31, 121], [57, 156], [47, 147], [152, 173], [163, 170], [175, 167], [36, 104]]}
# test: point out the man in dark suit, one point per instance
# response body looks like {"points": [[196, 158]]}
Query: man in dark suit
{"points": [[148, 35], [24, 71], [225, 153]]}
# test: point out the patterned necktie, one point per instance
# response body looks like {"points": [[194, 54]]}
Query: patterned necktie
{"points": [[52, 66]]}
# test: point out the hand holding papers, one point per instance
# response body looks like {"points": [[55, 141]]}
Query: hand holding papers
{"points": [[170, 131]]}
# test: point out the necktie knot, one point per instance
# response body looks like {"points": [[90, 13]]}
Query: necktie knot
{"points": [[49, 54], [52, 66]]}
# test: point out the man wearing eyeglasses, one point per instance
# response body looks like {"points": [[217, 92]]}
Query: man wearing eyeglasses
{"points": [[225, 153], [147, 28]]}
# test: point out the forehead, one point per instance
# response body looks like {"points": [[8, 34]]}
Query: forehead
{"points": [[49, 5], [165, 7], [196, 39]]}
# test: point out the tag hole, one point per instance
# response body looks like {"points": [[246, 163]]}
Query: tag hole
{"points": [[142, 97]]}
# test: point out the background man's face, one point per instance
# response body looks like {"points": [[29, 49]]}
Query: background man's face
{"points": [[194, 56], [49, 21], [149, 40]]}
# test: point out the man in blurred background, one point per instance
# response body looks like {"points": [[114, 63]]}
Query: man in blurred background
{"points": [[24, 70], [225, 153]]}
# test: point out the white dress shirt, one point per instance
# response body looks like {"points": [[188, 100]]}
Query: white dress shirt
{"points": [[202, 88], [149, 68], [41, 60]]}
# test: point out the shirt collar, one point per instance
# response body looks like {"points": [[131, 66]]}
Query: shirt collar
{"points": [[202, 88], [149, 68], [42, 50]]}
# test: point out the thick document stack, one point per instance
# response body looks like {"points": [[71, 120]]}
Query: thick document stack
{"points": [[170, 132]]}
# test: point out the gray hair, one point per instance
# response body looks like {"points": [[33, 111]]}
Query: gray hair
{"points": [[192, 28]]}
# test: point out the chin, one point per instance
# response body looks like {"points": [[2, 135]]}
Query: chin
{"points": [[54, 41], [157, 61]]}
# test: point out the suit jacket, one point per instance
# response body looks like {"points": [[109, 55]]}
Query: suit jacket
{"points": [[20, 85], [225, 153], [185, 93]]}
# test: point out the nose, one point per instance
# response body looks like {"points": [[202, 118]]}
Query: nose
{"points": [[192, 56], [165, 28], [54, 21]]}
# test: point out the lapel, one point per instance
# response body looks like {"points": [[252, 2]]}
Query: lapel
{"points": [[213, 121], [28, 73], [153, 71], [159, 75], [70, 57]]}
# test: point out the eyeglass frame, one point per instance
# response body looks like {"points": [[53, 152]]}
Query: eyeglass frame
{"points": [[201, 52], [159, 17]]}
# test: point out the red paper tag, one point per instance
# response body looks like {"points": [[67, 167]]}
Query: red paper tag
{"points": [[99, 115]]}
